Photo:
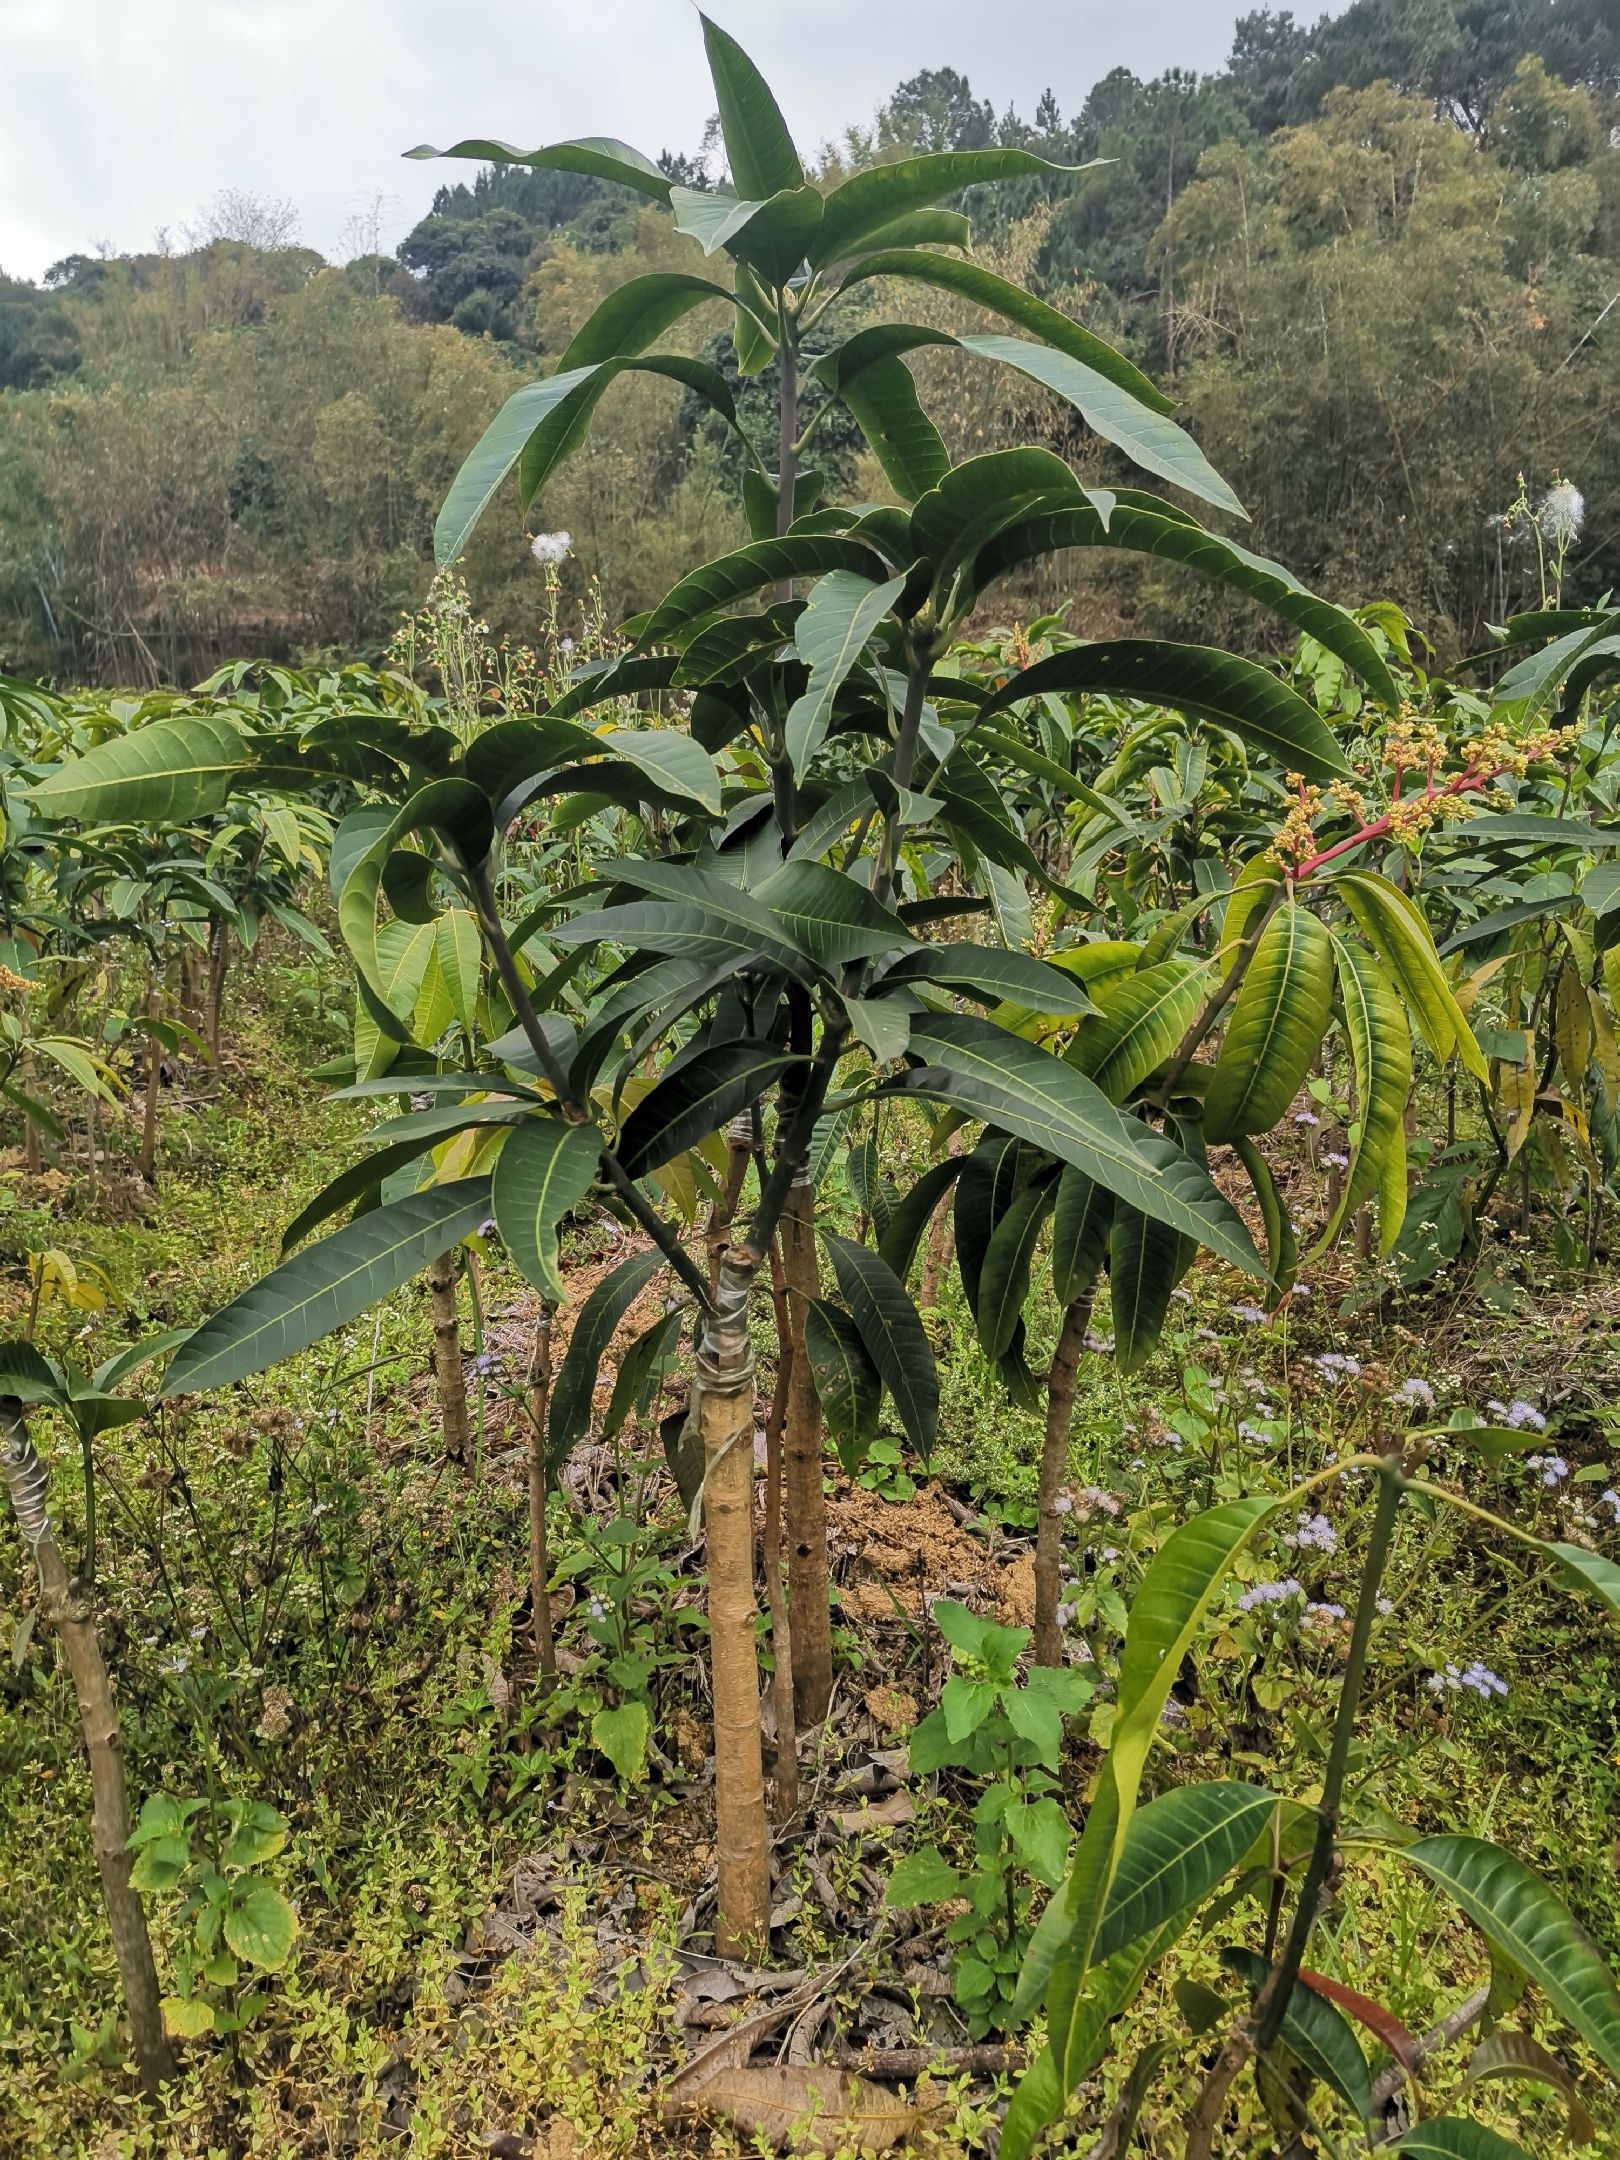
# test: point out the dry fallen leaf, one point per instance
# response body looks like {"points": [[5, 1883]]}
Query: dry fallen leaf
{"points": [[891, 1813], [819, 2109]]}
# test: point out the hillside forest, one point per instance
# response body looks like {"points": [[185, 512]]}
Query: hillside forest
{"points": [[1372, 262]]}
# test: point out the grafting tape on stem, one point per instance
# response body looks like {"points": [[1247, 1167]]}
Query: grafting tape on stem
{"points": [[725, 1364], [25, 1476]]}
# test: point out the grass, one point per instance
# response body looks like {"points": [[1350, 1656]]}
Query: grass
{"points": [[303, 1604]]}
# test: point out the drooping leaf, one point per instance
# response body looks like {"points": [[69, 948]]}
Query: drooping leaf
{"points": [[968, 281], [895, 1339], [1282, 1243], [1003, 1288], [1381, 1054], [1261, 711], [1279, 1019], [1081, 1221], [1317, 2033], [574, 1394], [1516, 2056], [902, 1233], [539, 425], [1140, 1021], [1142, 524], [1449, 2137], [544, 1170], [1517, 1911], [1024, 1090], [1395, 928], [695, 1098], [1146, 1260], [848, 1385], [326, 1286], [600, 156]]}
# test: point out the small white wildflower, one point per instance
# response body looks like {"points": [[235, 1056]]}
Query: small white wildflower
{"points": [[1416, 1392], [551, 547]]}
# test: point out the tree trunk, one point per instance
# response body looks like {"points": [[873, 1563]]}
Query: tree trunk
{"points": [[64, 1606], [447, 1371], [539, 1383], [805, 1510], [725, 1413], [220, 961], [776, 1589], [147, 1164], [1062, 1383], [739, 1153]]}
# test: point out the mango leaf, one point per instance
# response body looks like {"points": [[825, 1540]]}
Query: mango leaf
{"points": [[763, 562], [542, 1173], [717, 933], [573, 1396], [1023, 1090], [1198, 680], [1395, 928], [1449, 2137], [1141, 1021], [164, 773], [994, 973], [1381, 1054], [1081, 1221], [1144, 525], [759, 149], [1517, 2057], [1517, 1911], [636, 313], [1003, 1288], [1176, 1850], [27, 1377], [883, 402], [902, 1233], [858, 211], [839, 619], [326, 1286], [1281, 1014], [893, 1335], [601, 156], [695, 1098], [848, 1385], [1314, 2031], [1590, 1571], [832, 917], [1146, 1260], [540, 424]]}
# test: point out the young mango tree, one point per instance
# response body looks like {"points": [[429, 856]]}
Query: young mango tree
{"points": [[772, 958]]}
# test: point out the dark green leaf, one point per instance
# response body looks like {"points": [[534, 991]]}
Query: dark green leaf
{"points": [[1194, 679], [544, 1170], [574, 1395], [848, 1385], [894, 1336], [696, 1098], [1519, 1913], [326, 1286], [1317, 2033], [1176, 1850]]}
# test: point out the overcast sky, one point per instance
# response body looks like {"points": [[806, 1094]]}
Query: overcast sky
{"points": [[124, 116]]}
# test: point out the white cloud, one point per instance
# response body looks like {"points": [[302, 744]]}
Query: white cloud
{"points": [[123, 116]]}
